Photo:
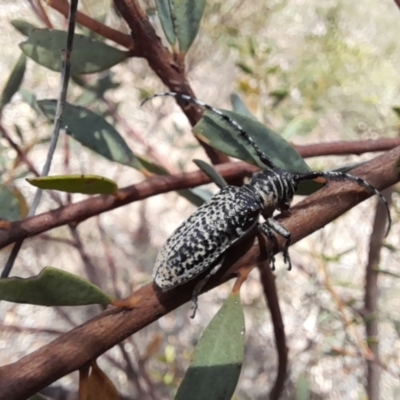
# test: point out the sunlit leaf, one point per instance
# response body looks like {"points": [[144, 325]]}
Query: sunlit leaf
{"points": [[212, 173], [52, 287], [217, 359], [187, 15], [164, 8], [93, 131], [87, 184], [89, 56], [14, 81]]}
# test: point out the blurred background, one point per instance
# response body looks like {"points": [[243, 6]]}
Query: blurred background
{"points": [[313, 72]]}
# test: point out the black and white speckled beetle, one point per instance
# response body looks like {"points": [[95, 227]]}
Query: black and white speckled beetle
{"points": [[200, 242]]}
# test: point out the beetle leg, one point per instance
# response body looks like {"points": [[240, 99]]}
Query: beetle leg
{"points": [[201, 284], [269, 234], [269, 226]]}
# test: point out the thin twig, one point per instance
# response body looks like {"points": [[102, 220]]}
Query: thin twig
{"points": [[95, 26], [371, 296], [346, 147], [271, 295], [65, 74], [80, 211]]}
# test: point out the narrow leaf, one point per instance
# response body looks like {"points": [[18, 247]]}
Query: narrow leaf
{"points": [[23, 26], [93, 131], [239, 106], [86, 184], [89, 56], [396, 110], [14, 81], [10, 205], [187, 15], [196, 196], [217, 359], [52, 287], [164, 8], [224, 137], [212, 173]]}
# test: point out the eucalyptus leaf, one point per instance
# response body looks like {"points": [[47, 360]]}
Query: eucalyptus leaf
{"points": [[14, 81], [196, 196], [187, 15], [86, 184], [239, 106], [94, 132], [164, 8], [218, 356], [23, 26], [52, 287], [224, 137], [44, 46], [212, 173]]}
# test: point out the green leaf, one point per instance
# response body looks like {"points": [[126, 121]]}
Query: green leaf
{"points": [[87, 184], [196, 196], [239, 106], [93, 131], [187, 15], [14, 81], [88, 56], [23, 27], [52, 287], [212, 173], [245, 68], [396, 110], [31, 99], [303, 388], [224, 137], [164, 8], [10, 209], [217, 359]]}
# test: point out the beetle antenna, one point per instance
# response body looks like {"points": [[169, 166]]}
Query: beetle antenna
{"points": [[342, 176], [262, 156]]}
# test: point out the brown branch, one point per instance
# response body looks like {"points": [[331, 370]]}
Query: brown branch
{"points": [[271, 295], [74, 349], [343, 147], [371, 297], [170, 70], [77, 212], [95, 26]]}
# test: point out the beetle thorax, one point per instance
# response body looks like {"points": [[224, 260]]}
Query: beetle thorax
{"points": [[275, 187]]}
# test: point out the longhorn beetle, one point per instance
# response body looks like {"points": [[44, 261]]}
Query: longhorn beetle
{"points": [[200, 242]]}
